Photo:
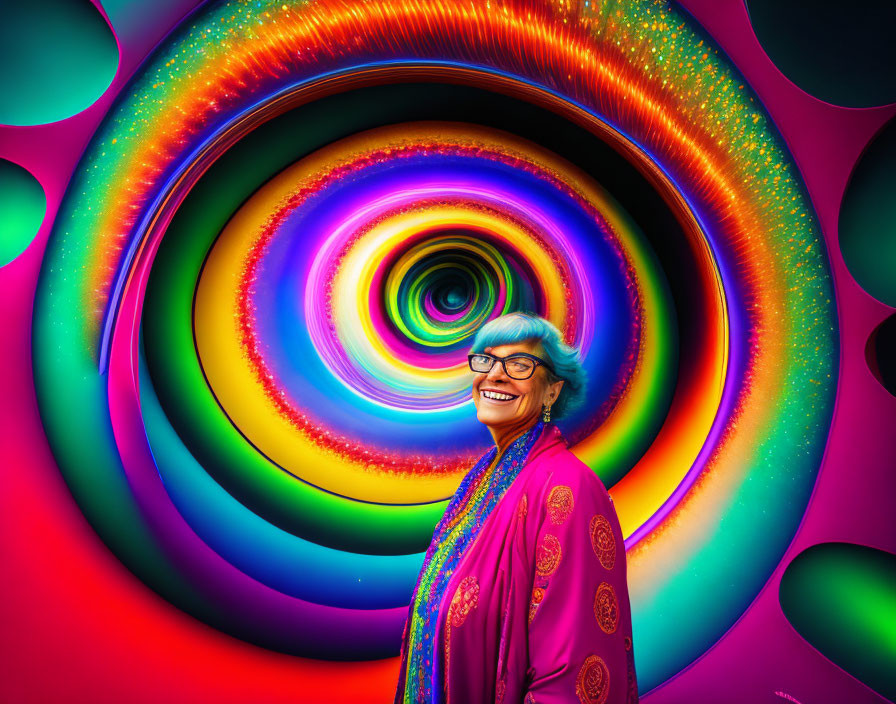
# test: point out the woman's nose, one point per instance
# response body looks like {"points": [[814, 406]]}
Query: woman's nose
{"points": [[496, 372]]}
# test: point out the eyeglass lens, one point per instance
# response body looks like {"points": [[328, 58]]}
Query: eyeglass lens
{"points": [[516, 367]]}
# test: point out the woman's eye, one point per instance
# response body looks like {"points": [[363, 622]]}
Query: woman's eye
{"points": [[481, 362]]}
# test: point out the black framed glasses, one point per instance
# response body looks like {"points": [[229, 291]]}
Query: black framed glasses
{"points": [[519, 365]]}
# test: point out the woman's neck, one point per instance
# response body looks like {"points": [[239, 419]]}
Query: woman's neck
{"points": [[504, 436]]}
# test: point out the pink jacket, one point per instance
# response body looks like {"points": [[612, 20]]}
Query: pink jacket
{"points": [[538, 609]]}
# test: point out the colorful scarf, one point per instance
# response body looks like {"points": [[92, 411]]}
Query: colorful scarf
{"points": [[475, 498]]}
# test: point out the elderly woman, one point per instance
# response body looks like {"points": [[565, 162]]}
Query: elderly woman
{"points": [[522, 595]]}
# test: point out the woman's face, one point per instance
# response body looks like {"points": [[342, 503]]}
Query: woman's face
{"points": [[527, 395]]}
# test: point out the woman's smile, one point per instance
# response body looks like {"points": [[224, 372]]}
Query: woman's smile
{"points": [[495, 396]]}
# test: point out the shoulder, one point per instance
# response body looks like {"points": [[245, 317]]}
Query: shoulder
{"points": [[561, 466], [559, 482]]}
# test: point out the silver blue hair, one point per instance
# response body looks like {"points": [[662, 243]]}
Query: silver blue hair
{"points": [[520, 326]]}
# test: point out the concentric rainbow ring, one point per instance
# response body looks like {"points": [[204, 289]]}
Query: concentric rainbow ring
{"points": [[282, 409], [457, 196]]}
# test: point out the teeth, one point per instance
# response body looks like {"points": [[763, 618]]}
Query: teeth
{"points": [[496, 396]]}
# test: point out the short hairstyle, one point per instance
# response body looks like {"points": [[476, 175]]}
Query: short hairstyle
{"points": [[521, 326]]}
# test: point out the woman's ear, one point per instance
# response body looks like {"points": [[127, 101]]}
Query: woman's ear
{"points": [[554, 391]]}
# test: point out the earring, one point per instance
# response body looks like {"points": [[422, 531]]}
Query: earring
{"points": [[546, 414]]}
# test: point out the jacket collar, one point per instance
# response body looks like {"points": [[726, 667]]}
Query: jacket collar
{"points": [[550, 441]]}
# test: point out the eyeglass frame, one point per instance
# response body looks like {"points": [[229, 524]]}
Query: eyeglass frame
{"points": [[502, 360]]}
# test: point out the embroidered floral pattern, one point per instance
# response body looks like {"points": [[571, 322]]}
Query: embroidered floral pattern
{"points": [[500, 687], [523, 507], [537, 596], [560, 503], [547, 555], [603, 542], [606, 608], [465, 600], [529, 698], [593, 682]]}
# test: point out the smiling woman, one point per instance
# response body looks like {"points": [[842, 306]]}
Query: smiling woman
{"points": [[523, 595]]}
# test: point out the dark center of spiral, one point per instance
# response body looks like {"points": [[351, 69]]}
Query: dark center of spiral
{"points": [[452, 295]]}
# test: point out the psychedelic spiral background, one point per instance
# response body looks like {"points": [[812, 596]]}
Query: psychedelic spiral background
{"points": [[260, 280]]}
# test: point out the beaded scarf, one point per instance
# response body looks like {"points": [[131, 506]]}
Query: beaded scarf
{"points": [[477, 495]]}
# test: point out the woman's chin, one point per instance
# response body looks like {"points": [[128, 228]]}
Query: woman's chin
{"points": [[496, 420], [493, 419]]}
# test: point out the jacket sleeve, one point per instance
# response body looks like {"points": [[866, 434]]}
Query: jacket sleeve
{"points": [[580, 632]]}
